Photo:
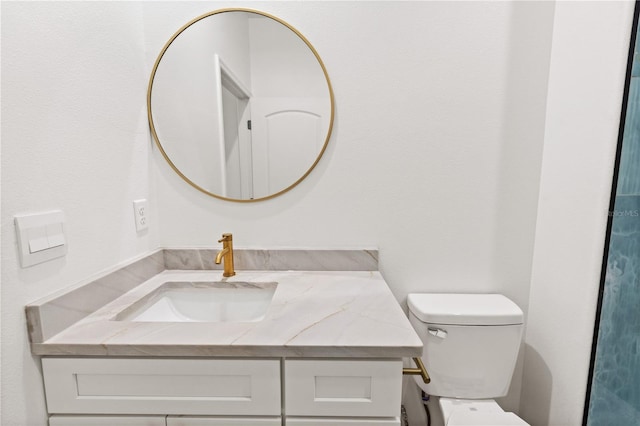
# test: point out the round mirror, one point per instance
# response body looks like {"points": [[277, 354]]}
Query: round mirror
{"points": [[240, 105]]}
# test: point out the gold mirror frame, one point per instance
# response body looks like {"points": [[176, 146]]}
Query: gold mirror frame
{"points": [[153, 128]]}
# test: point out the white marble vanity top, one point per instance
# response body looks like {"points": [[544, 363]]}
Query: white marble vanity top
{"points": [[312, 314]]}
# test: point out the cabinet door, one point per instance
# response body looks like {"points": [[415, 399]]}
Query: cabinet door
{"points": [[162, 386], [59, 420], [336, 388], [317, 421], [223, 421]]}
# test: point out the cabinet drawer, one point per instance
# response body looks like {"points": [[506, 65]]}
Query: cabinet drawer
{"points": [[343, 388], [317, 421], [223, 421], [162, 386], [58, 420]]}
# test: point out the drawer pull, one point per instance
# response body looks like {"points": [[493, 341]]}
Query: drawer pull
{"points": [[421, 371]]}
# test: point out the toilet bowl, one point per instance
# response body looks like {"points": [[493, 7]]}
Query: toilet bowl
{"points": [[471, 344]]}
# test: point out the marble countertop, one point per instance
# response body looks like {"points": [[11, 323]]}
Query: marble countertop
{"points": [[312, 314]]}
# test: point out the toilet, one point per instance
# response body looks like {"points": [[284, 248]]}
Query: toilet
{"points": [[471, 343]]}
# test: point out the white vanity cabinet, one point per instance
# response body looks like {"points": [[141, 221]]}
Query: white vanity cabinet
{"points": [[110, 420], [91, 391], [342, 422], [146, 386], [222, 421], [342, 392], [79, 420]]}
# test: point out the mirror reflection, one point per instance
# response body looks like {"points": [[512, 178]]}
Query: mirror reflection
{"points": [[240, 105]]}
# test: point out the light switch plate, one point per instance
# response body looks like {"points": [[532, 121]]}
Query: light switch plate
{"points": [[40, 237]]}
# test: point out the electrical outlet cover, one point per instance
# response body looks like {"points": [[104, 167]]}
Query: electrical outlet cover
{"points": [[141, 214]]}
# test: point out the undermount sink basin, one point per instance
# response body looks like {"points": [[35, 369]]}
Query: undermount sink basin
{"points": [[202, 302]]}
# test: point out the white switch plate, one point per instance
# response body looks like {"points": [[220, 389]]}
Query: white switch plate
{"points": [[141, 214], [40, 237]]}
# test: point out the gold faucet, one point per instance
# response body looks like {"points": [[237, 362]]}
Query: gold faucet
{"points": [[227, 254]]}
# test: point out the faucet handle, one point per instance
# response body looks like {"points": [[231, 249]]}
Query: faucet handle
{"points": [[226, 237]]}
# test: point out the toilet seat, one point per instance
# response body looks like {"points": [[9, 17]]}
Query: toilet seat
{"points": [[477, 412]]}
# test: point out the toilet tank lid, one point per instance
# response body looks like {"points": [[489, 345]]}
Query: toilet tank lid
{"points": [[464, 309]]}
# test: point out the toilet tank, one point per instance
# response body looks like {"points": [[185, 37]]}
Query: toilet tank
{"points": [[471, 342]]}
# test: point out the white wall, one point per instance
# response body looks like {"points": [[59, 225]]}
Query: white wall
{"points": [[588, 62], [436, 151], [440, 110], [74, 137]]}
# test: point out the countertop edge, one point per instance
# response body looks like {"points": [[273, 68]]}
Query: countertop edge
{"points": [[202, 351]]}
